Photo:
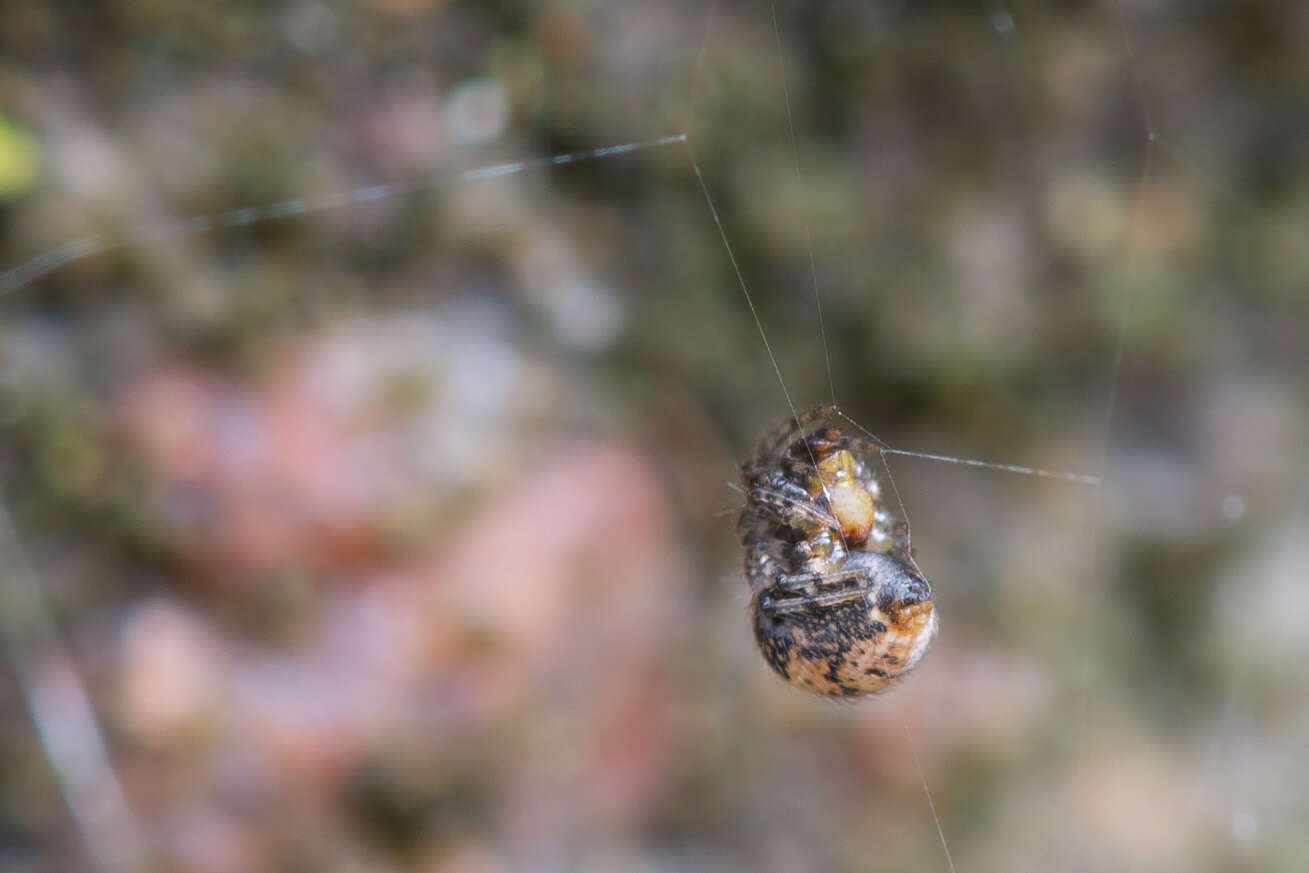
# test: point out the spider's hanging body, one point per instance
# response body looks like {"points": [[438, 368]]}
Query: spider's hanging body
{"points": [[837, 604]]}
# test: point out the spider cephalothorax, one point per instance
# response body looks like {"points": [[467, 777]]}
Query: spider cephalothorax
{"points": [[839, 607]]}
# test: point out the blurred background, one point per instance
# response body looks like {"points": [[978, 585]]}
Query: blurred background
{"points": [[400, 536]]}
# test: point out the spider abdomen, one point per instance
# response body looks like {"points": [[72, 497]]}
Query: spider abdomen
{"points": [[855, 646]]}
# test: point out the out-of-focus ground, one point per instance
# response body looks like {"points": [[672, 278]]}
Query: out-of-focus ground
{"points": [[399, 536]]}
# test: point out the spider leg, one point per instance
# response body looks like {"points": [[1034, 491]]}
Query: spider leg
{"points": [[772, 605], [788, 508], [813, 581], [786, 433]]}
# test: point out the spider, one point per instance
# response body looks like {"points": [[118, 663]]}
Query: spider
{"points": [[838, 606]]}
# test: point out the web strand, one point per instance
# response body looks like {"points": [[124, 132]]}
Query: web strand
{"points": [[809, 247], [808, 232], [1077, 478], [927, 792], [1120, 17], [1205, 774], [61, 711], [754, 312], [24, 274]]}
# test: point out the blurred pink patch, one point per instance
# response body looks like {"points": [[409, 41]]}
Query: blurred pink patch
{"points": [[568, 595], [171, 668], [362, 429], [219, 492]]}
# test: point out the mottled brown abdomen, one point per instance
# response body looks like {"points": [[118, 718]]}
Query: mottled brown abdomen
{"points": [[856, 646]]}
